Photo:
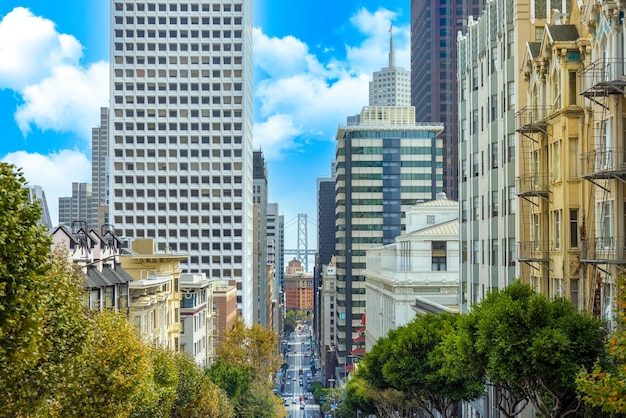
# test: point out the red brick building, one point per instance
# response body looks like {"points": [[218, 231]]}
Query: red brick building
{"points": [[298, 287]]}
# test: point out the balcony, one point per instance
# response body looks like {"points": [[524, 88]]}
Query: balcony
{"points": [[533, 251], [532, 185], [607, 250], [532, 119], [603, 77], [604, 163]]}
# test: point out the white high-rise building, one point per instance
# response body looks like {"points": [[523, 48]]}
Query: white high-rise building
{"points": [[181, 133], [391, 86]]}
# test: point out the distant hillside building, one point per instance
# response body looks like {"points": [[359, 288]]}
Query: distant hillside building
{"points": [[298, 287]]}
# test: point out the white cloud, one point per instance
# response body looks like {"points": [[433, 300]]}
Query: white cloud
{"points": [[317, 95], [54, 173], [275, 135], [68, 101], [30, 48], [42, 67]]}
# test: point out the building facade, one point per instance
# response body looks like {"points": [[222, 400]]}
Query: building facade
{"points": [[298, 287], [181, 133], [555, 196], [197, 319], [434, 27], [155, 297], [100, 170], [225, 308], [421, 266], [77, 208], [263, 306], [491, 93], [384, 165]]}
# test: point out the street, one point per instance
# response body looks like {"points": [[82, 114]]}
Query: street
{"points": [[297, 399]]}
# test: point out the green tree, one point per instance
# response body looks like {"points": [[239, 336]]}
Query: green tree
{"points": [[41, 315], [409, 363], [196, 395], [535, 346], [247, 361], [603, 386]]}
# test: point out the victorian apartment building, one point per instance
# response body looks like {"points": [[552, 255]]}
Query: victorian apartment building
{"points": [[574, 221], [181, 134]]}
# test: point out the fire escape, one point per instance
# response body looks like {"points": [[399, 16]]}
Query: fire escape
{"points": [[604, 165], [532, 186]]}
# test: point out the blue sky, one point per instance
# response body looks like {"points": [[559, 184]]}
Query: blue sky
{"points": [[313, 62]]}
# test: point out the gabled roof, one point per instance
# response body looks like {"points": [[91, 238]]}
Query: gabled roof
{"points": [[444, 228], [533, 49], [109, 276], [563, 33]]}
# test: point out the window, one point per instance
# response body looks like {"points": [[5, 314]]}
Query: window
{"points": [[556, 161], [494, 107], [494, 252], [439, 256], [573, 228], [494, 155], [475, 251], [556, 215], [511, 147], [494, 203]]}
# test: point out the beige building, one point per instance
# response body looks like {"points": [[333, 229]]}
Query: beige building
{"points": [[154, 293], [555, 213], [602, 85]]}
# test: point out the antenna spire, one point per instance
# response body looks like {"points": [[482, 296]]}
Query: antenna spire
{"points": [[391, 54]]}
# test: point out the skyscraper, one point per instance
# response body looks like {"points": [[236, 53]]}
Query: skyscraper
{"points": [[36, 193], [100, 170], [181, 133], [434, 27], [391, 86], [77, 208], [384, 165], [260, 200]]}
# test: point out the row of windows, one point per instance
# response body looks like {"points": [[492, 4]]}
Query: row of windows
{"points": [[174, 140], [175, 100], [175, 46], [175, 153], [173, 73], [401, 150], [174, 20], [374, 164], [177, 180], [177, 206], [173, 167], [173, 126], [184, 7], [176, 33], [389, 134], [223, 86]]}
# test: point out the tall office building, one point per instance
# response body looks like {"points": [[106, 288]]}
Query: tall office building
{"points": [[260, 201], [275, 257], [434, 27], [100, 170], [391, 86], [36, 193], [181, 133], [384, 165], [325, 246], [490, 58], [77, 208]]}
